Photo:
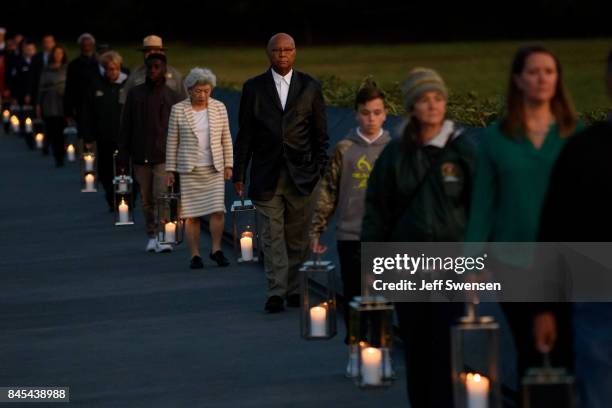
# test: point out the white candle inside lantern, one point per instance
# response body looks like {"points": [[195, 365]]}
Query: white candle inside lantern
{"points": [[170, 230], [477, 391], [15, 123], [28, 125], [246, 246], [89, 162], [318, 318], [371, 366], [6, 115], [70, 152], [39, 140], [89, 182], [124, 212]]}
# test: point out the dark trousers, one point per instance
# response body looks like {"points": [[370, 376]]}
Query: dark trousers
{"points": [[105, 150], [425, 332], [349, 253], [54, 127], [520, 319]]}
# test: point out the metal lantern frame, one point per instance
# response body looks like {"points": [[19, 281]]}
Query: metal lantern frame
{"points": [[469, 329], [6, 118], [123, 188], [244, 225], [318, 296], [27, 112], [370, 327], [71, 137], [88, 170], [548, 386], [168, 210], [15, 119]]}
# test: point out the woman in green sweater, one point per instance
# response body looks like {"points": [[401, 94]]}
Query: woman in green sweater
{"points": [[514, 163]]}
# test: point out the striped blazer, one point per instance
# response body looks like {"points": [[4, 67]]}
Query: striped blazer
{"points": [[182, 143]]}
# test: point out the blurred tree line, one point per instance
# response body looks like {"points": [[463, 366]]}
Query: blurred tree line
{"points": [[311, 21]]}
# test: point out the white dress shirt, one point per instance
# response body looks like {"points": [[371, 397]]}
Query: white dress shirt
{"points": [[282, 85], [200, 120]]}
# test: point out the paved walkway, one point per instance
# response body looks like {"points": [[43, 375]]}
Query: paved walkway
{"points": [[82, 305]]}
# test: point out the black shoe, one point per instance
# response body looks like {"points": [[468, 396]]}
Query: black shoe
{"points": [[274, 304], [219, 258], [293, 300], [196, 263]]}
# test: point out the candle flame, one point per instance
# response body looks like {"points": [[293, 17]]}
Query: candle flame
{"points": [[28, 121], [14, 120], [70, 148], [477, 378], [40, 136]]}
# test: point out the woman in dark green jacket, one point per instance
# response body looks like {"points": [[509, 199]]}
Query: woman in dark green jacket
{"points": [[515, 160], [418, 191]]}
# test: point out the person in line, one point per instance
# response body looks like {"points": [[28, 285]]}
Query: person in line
{"points": [[343, 187], [283, 135], [516, 157], [419, 192], [81, 71], [144, 127], [153, 44], [577, 209], [50, 106], [102, 117], [199, 148]]}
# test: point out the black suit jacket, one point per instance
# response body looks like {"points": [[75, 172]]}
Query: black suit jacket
{"points": [[270, 137]]}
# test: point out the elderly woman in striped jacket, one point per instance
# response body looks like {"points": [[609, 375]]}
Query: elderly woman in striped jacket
{"points": [[199, 148]]}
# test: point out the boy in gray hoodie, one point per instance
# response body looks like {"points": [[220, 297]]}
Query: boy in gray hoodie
{"points": [[344, 185]]}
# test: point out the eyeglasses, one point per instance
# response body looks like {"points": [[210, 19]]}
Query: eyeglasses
{"points": [[200, 91], [282, 50]]}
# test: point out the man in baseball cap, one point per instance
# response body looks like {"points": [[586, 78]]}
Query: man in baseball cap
{"points": [[153, 44]]}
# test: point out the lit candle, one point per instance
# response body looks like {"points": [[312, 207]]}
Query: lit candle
{"points": [[70, 151], [246, 246], [15, 123], [318, 317], [89, 182], [477, 391], [6, 116], [39, 140], [371, 366], [170, 230], [124, 215], [89, 160], [28, 125]]}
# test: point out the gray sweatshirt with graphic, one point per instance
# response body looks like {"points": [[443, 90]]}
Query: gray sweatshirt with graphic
{"points": [[343, 187]]}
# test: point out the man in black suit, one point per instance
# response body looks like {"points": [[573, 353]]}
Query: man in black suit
{"points": [[283, 132]]}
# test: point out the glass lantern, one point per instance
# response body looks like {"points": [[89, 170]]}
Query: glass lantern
{"points": [[71, 142], [124, 197], [6, 119], [370, 341], [89, 179], [548, 387], [171, 225], [15, 124], [27, 113], [244, 231], [318, 309], [475, 371], [40, 140]]}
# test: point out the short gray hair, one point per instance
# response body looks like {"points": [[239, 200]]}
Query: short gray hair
{"points": [[199, 76], [111, 56], [84, 36]]}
